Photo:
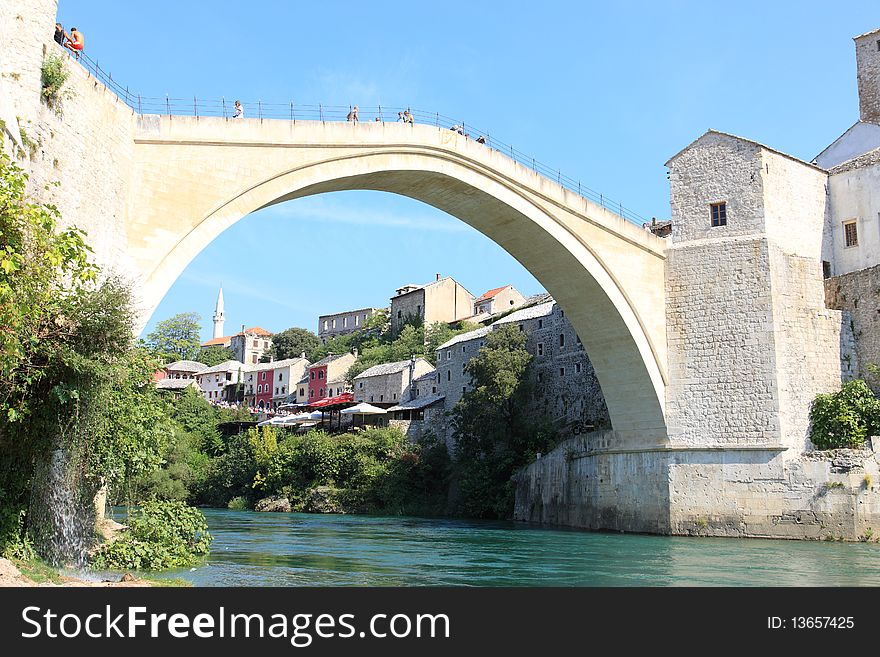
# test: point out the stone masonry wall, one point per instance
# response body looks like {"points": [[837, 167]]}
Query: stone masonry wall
{"points": [[579, 486], [795, 201], [406, 306], [815, 348], [88, 147], [720, 336], [868, 75], [858, 294], [732, 492], [572, 400], [716, 168]]}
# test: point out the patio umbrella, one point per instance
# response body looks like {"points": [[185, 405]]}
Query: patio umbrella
{"points": [[364, 409]]}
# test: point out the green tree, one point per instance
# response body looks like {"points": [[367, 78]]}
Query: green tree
{"points": [[494, 435], [71, 382], [176, 338], [291, 342], [214, 355]]}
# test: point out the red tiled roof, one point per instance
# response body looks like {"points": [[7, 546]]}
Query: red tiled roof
{"points": [[256, 330], [490, 293], [220, 341]]}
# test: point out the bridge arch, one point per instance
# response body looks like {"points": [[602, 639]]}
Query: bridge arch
{"points": [[605, 273]]}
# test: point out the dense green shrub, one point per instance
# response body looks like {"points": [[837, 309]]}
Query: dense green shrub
{"points": [[844, 418], [53, 75], [238, 504], [161, 535]]}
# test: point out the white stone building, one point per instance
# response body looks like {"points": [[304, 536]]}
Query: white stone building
{"points": [[389, 384], [217, 383], [286, 375]]}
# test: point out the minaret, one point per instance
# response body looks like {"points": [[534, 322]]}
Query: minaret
{"points": [[219, 316]]}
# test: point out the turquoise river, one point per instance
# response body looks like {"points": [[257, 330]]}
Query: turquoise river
{"points": [[292, 549]]}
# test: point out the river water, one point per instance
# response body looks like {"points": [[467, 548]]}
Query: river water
{"points": [[293, 549]]}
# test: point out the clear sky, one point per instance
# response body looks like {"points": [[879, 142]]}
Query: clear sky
{"points": [[605, 91]]}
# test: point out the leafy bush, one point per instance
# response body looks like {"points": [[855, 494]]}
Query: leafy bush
{"points": [[162, 535], [53, 75], [238, 504], [844, 418]]}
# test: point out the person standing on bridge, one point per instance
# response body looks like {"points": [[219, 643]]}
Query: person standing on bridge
{"points": [[60, 34], [408, 118], [353, 115], [401, 118], [76, 41], [238, 112]]}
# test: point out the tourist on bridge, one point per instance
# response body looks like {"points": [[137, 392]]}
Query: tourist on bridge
{"points": [[401, 118], [76, 42], [353, 114], [481, 139], [238, 112], [408, 117], [60, 34]]}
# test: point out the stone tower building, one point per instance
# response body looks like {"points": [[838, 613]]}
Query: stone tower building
{"points": [[868, 72], [219, 315], [750, 340]]}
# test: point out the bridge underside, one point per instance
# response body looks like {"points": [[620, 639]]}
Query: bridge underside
{"points": [[195, 178]]}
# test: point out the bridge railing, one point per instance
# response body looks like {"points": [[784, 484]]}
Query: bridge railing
{"points": [[292, 111]]}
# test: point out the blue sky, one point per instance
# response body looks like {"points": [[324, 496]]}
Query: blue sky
{"points": [[606, 92]]}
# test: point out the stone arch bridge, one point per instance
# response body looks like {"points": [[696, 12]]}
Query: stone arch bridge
{"points": [[191, 178]]}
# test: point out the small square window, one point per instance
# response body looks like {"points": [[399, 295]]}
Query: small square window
{"points": [[878, 45], [562, 339], [577, 367], [718, 213], [540, 348], [850, 234], [561, 371], [540, 323], [463, 389]]}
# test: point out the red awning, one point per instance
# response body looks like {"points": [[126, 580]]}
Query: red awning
{"points": [[345, 399]]}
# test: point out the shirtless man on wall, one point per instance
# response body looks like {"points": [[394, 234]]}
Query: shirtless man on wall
{"points": [[75, 42]]}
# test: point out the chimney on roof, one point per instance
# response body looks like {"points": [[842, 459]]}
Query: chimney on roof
{"points": [[302, 355], [242, 329], [438, 276]]}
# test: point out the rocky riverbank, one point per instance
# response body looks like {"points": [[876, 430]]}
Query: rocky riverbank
{"points": [[11, 576]]}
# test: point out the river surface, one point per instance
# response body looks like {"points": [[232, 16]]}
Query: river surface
{"points": [[294, 549]]}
